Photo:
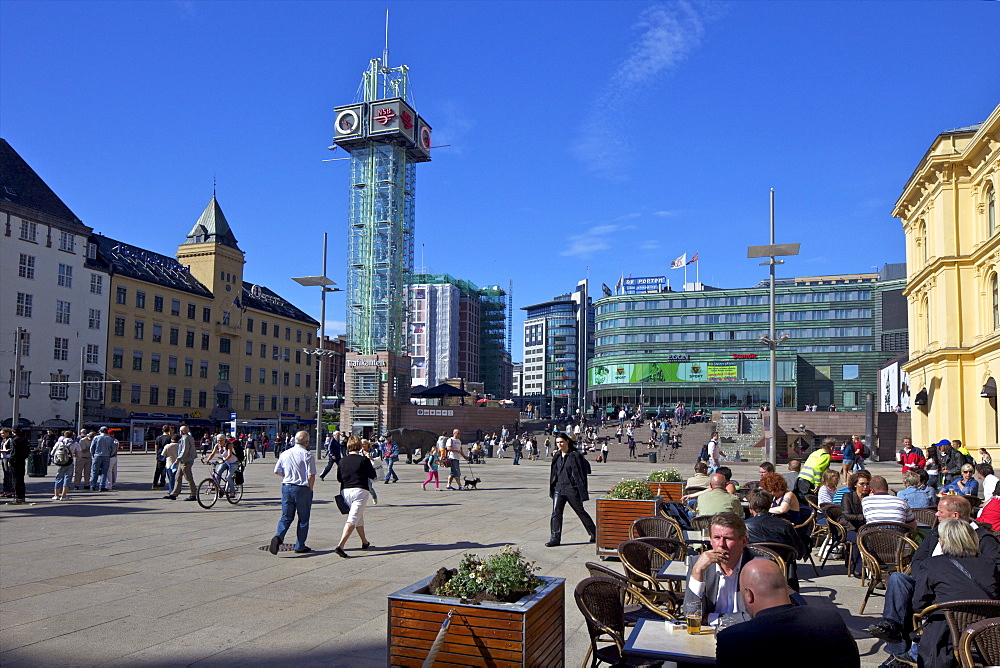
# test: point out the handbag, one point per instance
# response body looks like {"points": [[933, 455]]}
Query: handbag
{"points": [[342, 504]]}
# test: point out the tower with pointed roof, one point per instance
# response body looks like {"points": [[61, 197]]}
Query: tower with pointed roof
{"points": [[214, 257]]}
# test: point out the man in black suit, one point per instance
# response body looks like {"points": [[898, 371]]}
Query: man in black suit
{"points": [[714, 577], [765, 527], [781, 631]]}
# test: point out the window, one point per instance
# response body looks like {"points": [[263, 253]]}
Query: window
{"points": [[154, 395], [116, 393], [60, 350], [154, 363], [288, 333], [204, 342], [222, 400], [247, 375], [157, 333], [26, 266], [136, 360], [158, 303], [174, 335], [850, 371], [191, 310], [274, 403], [223, 372], [92, 251], [59, 389], [96, 284], [850, 399], [65, 276], [94, 318], [274, 377], [186, 397], [297, 403], [276, 329], [188, 367], [93, 353], [140, 329], [67, 241], [274, 352], [298, 336], [92, 387], [284, 403], [298, 379], [62, 312], [119, 326], [206, 314], [991, 210], [263, 350], [308, 380], [202, 399], [285, 377], [260, 402], [189, 339], [117, 358], [29, 231], [822, 373], [203, 371], [250, 325], [224, 345], [175, 307], [140, 299], [298, 357], [171, 396], [246, 402], [225, 317], [172, 365], [24, 304], [996, 302], [249, 347], [136, 393], [263, 327], [120, 295], [263, 376]]}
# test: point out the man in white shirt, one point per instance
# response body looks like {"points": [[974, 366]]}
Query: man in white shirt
{"points": [[297, 467], [455, 452], [714, 453], [987, 480], [714, 578]]}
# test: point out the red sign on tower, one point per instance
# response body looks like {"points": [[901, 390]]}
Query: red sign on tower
{"points": [[385, 116], [407, 119]]}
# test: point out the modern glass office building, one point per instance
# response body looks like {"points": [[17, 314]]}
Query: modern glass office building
{"points": [[703, 346]]}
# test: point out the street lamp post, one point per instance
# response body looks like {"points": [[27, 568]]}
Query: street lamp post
{"points": [[772, 342], [324, 283]]}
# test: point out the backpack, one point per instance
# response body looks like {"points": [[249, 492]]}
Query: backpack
{"points": [[61, 456], [866, 452], [239, 450], [703, 455]]}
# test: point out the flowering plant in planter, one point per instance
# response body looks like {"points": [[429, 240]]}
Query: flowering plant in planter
{"points": [[630, 489], [504, 576], [670, 475]]}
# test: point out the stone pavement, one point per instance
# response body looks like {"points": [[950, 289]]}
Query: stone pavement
{"points": [[128, 578]]}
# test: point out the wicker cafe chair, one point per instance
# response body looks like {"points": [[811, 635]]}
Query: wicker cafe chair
{"points": [[813, 501], [702, 523], [764, 550], [655, 526], [837, 535], [644, 557], [601, 601], [883, 551], [904, 529], [980, 644], [807, 527], [926, 516], [640, 603], [959, 615]]}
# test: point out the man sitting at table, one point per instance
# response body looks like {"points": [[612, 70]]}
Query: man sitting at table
{"points": [[881, 506], [780, 630], [716, 499], [897, 611], [714, 576], [766, 527], [700, 478]]}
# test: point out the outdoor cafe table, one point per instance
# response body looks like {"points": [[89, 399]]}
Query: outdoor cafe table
{"points": [[676, 570], [651, 639]]}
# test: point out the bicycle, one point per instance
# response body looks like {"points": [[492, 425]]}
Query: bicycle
{"points": [[212, 489]]}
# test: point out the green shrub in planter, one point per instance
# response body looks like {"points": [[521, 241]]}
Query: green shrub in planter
{"points": [[636, 490], [503, 576], [670, 475]]}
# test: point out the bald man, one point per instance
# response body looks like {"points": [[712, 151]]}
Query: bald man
{"points": [[781, 632], [717, 499]]}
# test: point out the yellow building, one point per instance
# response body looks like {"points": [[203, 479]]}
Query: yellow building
{"points": [[948, 211], [190, 340]]}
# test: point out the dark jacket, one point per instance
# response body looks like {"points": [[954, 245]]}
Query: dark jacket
{"points": [[941, 581], [785, 635], [853, 513], [989, 547], [22, 450], [710, 592], [769, 528], [355, 471], [952, 460], [573, 469]]}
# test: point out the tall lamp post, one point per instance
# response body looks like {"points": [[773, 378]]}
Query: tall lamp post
{"points": [[325, 285], [771, 251]]}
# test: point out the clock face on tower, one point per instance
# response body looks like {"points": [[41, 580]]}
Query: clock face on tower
{"points": [[348, 122], [425, 138]]}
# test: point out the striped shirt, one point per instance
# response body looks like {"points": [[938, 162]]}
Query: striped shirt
{"points": [[886, 508]]}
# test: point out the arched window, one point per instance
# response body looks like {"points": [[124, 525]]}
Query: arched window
{"points": [[996, 302], [925, 312], [923, 242], [991, 210]]}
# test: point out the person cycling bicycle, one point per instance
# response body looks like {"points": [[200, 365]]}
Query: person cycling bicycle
{"points": [[228, 462]]}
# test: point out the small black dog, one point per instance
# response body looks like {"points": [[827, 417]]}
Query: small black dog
{"points": [[471, 484]]}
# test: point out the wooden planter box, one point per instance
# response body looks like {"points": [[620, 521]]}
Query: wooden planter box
{"points": [[527, 633], [615, 516], [670, 491]]}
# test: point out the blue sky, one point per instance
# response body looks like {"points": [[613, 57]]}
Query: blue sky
{"points": [[608, 135]]}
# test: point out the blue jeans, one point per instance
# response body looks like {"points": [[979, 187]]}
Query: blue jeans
{"points": [[896, 608], [64, 475], [517, 456], [99, 472], [230, 477], [389, 473], [171, 477], [295, 499]]}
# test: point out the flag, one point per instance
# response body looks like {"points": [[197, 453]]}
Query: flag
{"points": [[237, 304], [693, 259], [679, 262], [618, 285]]}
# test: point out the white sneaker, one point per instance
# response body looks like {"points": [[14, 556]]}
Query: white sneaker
{"points": [[55, 498]]}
